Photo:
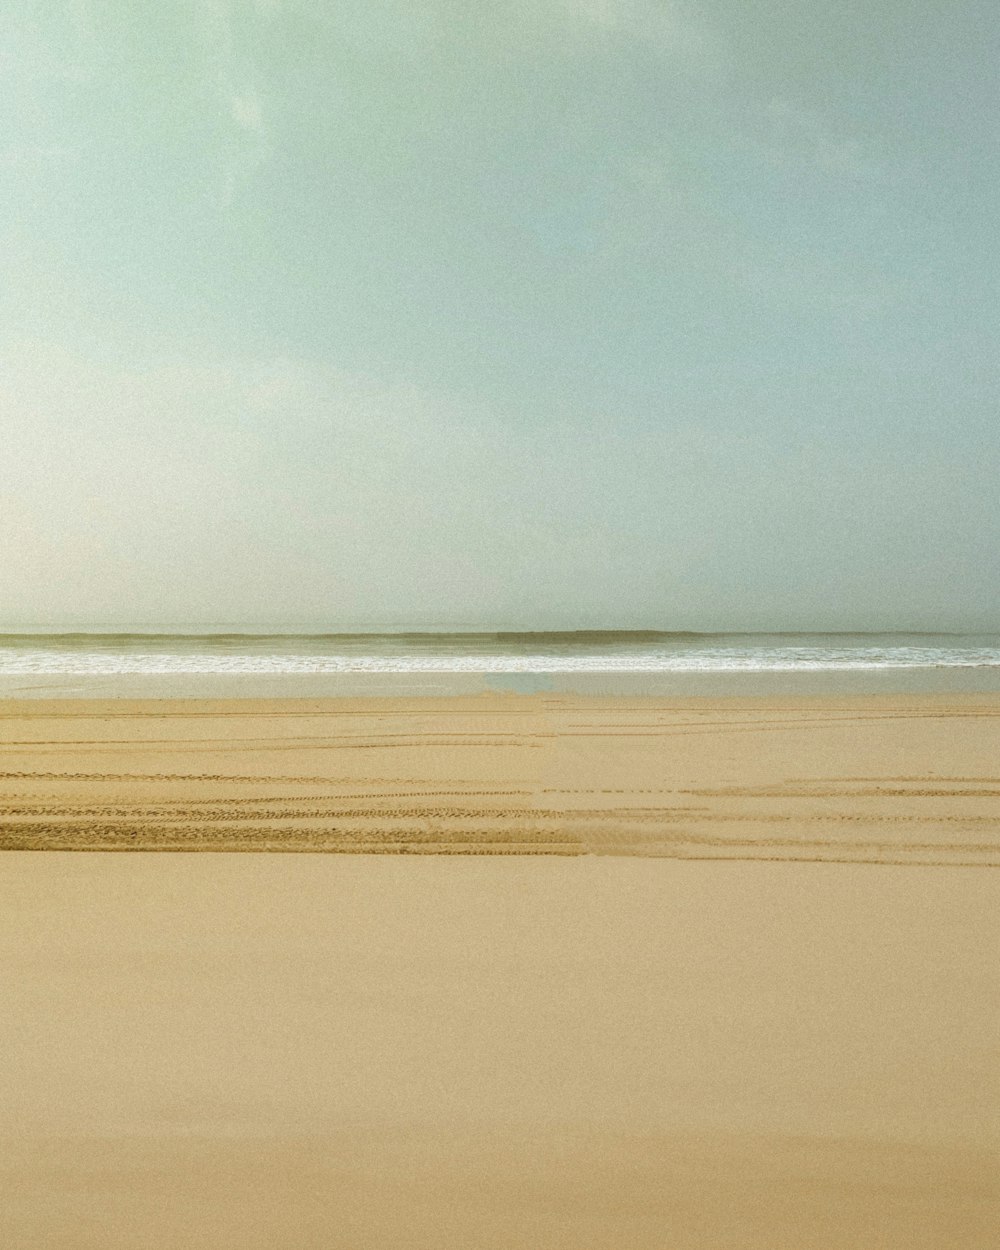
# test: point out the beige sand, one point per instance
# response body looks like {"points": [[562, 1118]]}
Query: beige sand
{"points": [[243, 1052], [907, 779], [233, 1052]]}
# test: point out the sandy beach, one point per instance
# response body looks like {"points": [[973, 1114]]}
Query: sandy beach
{"points": [[499, 636], [907, 779], [652, 1035]]}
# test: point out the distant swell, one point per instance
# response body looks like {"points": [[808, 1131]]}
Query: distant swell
{"points": [[591, 651]]}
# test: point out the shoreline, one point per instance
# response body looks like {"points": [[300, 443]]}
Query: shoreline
{"points": [[824, 683]]}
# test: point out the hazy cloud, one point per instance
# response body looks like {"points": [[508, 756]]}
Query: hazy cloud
{"points": [[550, 311], [246, 112], [219, 491]]}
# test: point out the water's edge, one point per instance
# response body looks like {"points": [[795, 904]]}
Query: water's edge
{"points": [[243, 664]]}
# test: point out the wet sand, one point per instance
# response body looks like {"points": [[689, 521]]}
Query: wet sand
{"points": [[905, 779], [653, 1048]]}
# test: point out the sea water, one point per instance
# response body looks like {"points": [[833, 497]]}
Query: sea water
{"points": [[230, 660]]}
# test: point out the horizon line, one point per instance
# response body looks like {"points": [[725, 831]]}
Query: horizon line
{"points": [[217, 630]]}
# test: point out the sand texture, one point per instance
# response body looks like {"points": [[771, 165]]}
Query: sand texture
{"points": [[907, 779], [676, 1041], [244, 1052]]}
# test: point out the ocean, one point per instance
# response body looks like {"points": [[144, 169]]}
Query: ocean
{"points": [[227, 660]]}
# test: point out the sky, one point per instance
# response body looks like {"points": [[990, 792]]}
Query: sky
{"points": [[534, 314]]}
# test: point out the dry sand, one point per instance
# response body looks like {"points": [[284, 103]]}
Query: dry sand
{"points": [[236, 1052], [911, 779]]}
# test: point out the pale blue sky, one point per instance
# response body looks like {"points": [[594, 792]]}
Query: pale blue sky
{"points": [[535, 313]]}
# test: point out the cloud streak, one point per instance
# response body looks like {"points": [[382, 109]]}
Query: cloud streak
{"points": [[232, 82]]}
